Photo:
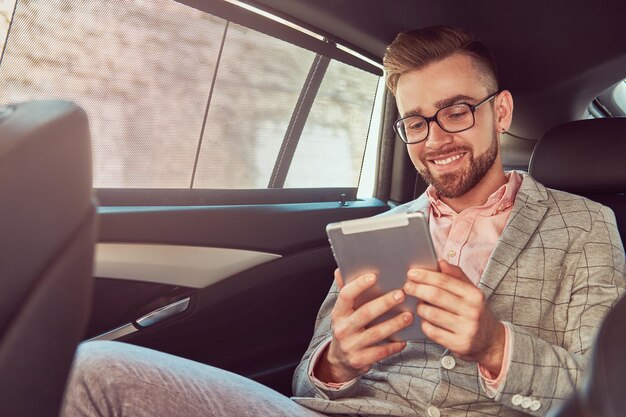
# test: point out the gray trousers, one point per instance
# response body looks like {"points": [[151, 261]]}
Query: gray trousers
{"points": [[121, 380]]}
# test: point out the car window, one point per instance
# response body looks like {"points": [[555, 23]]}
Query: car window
{"points": [[331, 148], [180, 99]]}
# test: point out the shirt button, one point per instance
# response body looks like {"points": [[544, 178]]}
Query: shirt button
{"points": [[433, 412], [451, 253], [448, 362], [526, 402], [517, 399], [535, 405]]}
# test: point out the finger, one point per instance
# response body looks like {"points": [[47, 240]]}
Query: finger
{"points": [[441, 280], [362, 361], [373, 309], [338, 279], [454, 271], [356, 357], [367, 357], [437, 296], [345, 304], [384, 330], [440, 336], [460, 345], [440, 317]]}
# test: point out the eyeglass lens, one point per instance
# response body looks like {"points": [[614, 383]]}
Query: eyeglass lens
{"points": [[451, 119]]}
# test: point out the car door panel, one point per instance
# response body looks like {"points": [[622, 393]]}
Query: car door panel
{"points": [[251, 317]]}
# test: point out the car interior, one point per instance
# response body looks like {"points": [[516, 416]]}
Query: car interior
{"points": [[226, 135]]}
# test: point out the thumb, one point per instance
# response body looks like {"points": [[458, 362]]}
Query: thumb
{"points": [[453, 270]]}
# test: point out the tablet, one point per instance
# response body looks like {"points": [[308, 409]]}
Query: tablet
{"points": [[388, 246]]}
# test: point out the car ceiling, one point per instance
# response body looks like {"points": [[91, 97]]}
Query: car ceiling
{"points": [[554, 56]]}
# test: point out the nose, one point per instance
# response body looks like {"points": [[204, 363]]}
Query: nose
{"points": [[437, 137]]}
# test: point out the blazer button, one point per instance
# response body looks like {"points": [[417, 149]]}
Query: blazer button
{"points": [[535, 405], [433, 412], [448, 362], [517, 399], [526, 402]]}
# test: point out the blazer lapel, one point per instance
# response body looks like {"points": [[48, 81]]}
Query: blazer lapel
{"points": [[527, 213]]}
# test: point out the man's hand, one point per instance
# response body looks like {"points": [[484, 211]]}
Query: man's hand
{"points": [[354, 348], [455, 315]]}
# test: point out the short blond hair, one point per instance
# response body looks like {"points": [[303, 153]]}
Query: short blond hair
{"points": [[418, 48]]}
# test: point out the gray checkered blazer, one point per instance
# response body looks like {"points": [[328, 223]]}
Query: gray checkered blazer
{"points": [[555, 272]]}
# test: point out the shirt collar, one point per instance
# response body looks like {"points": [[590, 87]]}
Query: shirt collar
{"points": [[500, 200]]}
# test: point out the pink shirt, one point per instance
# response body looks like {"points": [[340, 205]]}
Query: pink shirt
{"points": [[467, 239]]}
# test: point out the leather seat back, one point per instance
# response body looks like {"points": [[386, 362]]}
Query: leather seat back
{"points": [[586, 157], [47, 236]]}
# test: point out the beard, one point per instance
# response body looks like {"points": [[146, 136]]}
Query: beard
{"points": [[456, 184]]}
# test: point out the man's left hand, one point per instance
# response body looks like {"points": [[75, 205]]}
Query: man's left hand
{"points": [[455, 315]]}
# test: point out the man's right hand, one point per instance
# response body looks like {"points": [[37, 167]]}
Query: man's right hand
{"points": [[355, 348]]}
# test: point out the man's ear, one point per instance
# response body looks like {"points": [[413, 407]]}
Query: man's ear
{"points": [[504, 110]]}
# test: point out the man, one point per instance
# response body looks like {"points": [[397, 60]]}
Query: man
{"points": [[509, 317], [513, 311]]}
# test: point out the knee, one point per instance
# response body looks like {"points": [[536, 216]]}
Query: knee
{"points": [[96, 362], [96, 373], [99, 370]]}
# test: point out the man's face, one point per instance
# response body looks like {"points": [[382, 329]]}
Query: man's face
{"points": [[454, 163]]}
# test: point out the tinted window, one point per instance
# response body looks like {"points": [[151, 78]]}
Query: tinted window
{"points": [[178, 98]]}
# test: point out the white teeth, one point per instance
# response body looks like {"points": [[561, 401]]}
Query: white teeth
{"points": [[447, 160]]}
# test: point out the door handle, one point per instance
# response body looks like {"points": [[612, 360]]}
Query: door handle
{"points": [[163, 313]]}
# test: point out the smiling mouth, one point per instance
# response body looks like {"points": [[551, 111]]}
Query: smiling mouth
{"points": [[446, 161]]}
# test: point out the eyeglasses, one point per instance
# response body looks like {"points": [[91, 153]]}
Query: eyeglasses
{"points": [[452, 119]]}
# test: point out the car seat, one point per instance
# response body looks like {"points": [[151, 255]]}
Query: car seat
{"points": [[47, 235], [586, 157]]}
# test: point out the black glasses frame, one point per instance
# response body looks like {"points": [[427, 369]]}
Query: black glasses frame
{"points": [[402, 135]]}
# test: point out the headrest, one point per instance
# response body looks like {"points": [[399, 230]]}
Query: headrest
{"points": [[583, 157]]}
